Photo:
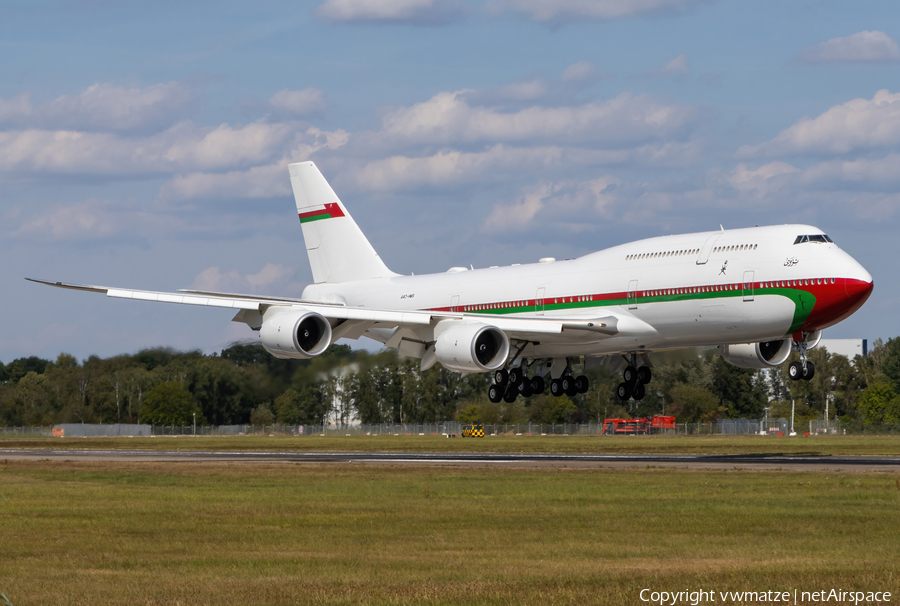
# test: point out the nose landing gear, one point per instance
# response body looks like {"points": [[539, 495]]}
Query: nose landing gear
{"points": [[803, 369]]}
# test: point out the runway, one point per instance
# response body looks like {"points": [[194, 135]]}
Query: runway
{"points": [[773, 461]]}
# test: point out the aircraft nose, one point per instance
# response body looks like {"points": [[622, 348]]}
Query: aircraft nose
{"points": [[858, 290]]}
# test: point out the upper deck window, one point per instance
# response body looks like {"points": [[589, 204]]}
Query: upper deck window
{"points": [[818, 238]]}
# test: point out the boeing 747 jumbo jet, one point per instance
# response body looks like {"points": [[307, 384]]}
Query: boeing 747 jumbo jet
{"points": [[756, 293]]}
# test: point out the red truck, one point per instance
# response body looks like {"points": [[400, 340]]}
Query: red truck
{"points": [[640, 426]]}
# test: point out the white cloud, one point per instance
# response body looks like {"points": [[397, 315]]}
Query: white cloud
{"points": [[227, 146], [93, 219], [519, 214], [212, 279], [873, 173], [423, 12], [679, 67], [298, 102], [523, 90], [579, 72], [556, 203], [503, 162], [762, 180], [451, 167], [181, 148], [103, 107], [264, 181], [831, 180], [600, 10], [856, 124], [448, 117], [861, 47], [256, 182], [16, 108]]}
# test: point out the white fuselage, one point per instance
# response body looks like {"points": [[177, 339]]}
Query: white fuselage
{"points": [[701, 289]]}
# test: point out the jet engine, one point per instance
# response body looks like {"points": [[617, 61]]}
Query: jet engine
{"points": [[472, 348], [296, 334], [757, 355]]}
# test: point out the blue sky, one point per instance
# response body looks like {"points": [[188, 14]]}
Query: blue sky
{"points": [[145, 144]]}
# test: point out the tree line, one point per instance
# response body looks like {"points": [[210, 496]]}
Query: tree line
{"points": [[244, 384]]}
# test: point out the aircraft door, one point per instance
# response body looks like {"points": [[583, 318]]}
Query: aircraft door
{"points": [[748, 285], [539, 301], [454, 303], [707, 248], [632, 294]]}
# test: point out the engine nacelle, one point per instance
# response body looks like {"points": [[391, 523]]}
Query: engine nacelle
{"points": [[757, 355], [472, 348], [295, 334], [813, 338]]}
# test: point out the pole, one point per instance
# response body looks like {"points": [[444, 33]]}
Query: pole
{"points": [[793, 433], [195, 424]]}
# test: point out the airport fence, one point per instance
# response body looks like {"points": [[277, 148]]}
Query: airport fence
{"points": [[774, 426]]}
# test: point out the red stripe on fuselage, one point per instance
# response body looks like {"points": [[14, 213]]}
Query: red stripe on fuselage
{"points": [[833, 302]]}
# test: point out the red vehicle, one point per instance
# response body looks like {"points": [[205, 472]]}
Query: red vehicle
{"points": [[640, 426]]}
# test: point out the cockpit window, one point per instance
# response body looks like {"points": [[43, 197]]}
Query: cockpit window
{"points": [[818, 238]]}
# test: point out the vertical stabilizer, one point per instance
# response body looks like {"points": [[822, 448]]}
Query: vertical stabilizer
{"points": [[338, 250]]}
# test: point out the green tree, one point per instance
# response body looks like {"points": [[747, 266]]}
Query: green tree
{"points": [[879, 404], [547, 409], [890, 362], [35, 392], [740, 391], [694, 404], [262, 415], [20, 367], [470, 413], [304, 407], [169, 403]]}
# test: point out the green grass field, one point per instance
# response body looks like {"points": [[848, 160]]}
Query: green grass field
{"points": [[741, 444], [152, 533]]}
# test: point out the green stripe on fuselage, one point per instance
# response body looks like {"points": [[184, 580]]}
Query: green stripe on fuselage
{"points": [[803, 303]]}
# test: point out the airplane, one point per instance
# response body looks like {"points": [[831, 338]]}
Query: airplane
{"points": [[757, 294]]}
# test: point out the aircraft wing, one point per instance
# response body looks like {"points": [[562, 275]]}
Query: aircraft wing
{"points": [[356, 319]]}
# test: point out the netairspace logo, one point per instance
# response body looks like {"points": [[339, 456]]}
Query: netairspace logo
{"points": [[694, 598]]}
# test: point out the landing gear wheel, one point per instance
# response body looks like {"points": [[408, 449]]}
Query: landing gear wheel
{"points": [[795, 371], [630, 374], [515, 376], [810, 371], [495, 393], [501, 377], [639, 392], [568, 385], [511, 394], [525, 389], [537, 385], [582, 384], [556, 389], [644, 375], [623, 392]]}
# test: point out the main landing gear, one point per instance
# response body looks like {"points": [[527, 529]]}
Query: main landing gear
{"points": [[508, 385], [635, 381]]}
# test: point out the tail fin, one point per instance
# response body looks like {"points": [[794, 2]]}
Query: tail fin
{"points": [[338, 250]]}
